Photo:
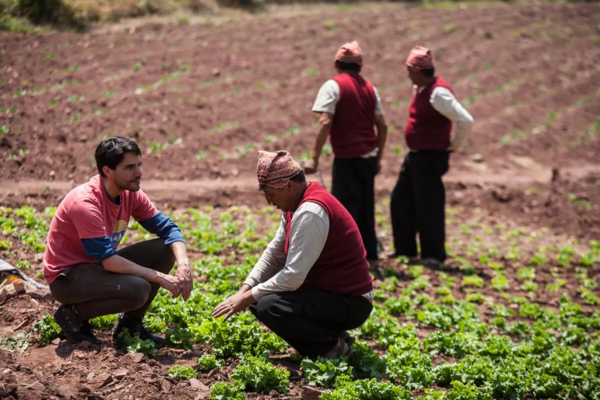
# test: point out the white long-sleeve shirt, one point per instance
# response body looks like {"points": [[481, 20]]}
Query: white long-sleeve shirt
{"points": [[329, 95], [444, 102], [274, 272]]}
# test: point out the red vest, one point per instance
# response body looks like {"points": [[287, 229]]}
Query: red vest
{"points": [[352, 133], [426, 128], [342, 266]]}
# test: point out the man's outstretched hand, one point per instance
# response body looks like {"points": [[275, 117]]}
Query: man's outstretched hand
{"points": [[234, 304]]}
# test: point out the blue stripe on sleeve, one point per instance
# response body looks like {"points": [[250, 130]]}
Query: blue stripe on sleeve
{"points": [[163, 227], [100, 248]]}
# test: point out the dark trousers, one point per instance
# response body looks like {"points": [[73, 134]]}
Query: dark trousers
{"points": [[417, 205], [95, 291], [353, 184], [310, 320]]}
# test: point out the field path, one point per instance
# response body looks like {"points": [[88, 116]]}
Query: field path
{"points": [[164, 189]]}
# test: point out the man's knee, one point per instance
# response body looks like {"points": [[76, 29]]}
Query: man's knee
{"points": [[272, 307], [138, 291]]}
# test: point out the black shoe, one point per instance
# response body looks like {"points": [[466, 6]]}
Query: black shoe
{"points": [[88, 333], [86, 327], [71, 325], [134, 326]]}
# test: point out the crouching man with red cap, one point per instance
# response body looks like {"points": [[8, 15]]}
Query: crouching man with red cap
{"points": [[312, 283]]}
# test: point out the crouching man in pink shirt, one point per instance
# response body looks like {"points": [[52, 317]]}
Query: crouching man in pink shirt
{"points": [[82, 265]]}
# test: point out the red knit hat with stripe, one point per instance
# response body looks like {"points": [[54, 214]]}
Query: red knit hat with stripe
{"points": [[276, 169]]}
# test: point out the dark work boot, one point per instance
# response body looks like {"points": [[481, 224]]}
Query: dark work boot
{"points": [[71, 325], [88, 333], [134, 326], [86, 327]]}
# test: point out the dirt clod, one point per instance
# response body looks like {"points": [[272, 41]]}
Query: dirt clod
{"points": [[311, 393], [165, 385]]}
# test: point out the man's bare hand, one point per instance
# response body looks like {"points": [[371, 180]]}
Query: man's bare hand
{"points": [[311, 166], [169, 282], [233, 305], [185, 278]]}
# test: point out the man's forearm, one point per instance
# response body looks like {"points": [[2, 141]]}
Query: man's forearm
{"points": [[382, 131], [180, 251], [462, 132], [121, 265], [322, 134], [244, 288], [381, 140]]}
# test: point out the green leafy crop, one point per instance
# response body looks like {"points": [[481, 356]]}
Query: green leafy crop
{"points": [[366, 390], [181, 372], [48, 330], [225, 391], [209, 362], [134, 344], [323, 372], [257, 374]]}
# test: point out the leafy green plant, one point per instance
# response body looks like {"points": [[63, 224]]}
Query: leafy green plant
{"points": [[105, 322], [209, 362], [367, 361], [181, 372], [415, 271], [565, 256], [257, 374], [529, 286], [323, 372], [476, 298], [134, 344], [389, 284], [366, 390], [526, 274], [180, 338], [473, 280], [15, 344], [555, 287], [589, 297], [500, 283], [238, 336], [443, 291], [538, 259], [48, 330], [225, 391]]}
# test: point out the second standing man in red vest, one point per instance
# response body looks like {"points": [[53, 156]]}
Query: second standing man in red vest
{"points": [[349, 107], [418, 200]]}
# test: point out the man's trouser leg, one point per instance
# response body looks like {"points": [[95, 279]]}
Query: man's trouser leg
{"points": [[403, 211], [311, 320], [95, 291], [430, 197], [353, 184]]}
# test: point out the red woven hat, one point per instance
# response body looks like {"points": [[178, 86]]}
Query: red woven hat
{"points": [[420, 58], [276, 169], [350, 53]]}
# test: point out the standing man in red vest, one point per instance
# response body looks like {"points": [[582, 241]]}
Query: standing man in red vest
{"points": [[349, 106], [418, 200], [312, 283]]}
